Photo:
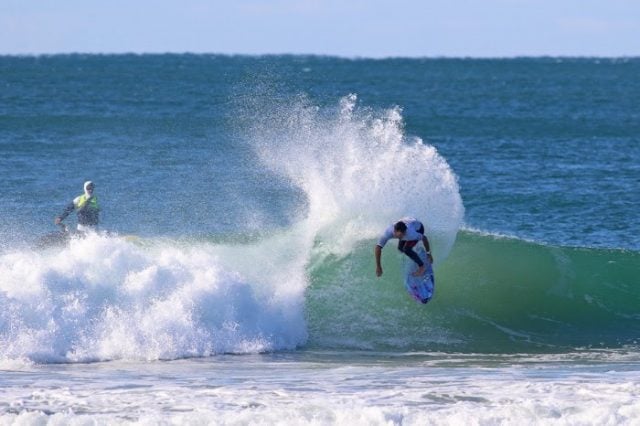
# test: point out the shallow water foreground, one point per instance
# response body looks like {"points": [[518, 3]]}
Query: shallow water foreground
{"points": [[330, 388]]}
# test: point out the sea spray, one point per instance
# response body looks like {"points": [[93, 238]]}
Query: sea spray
{"points": [[359, 172]]}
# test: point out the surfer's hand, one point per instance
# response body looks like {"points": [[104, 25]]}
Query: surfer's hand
{"points": [[57, 221], [378, 271]]}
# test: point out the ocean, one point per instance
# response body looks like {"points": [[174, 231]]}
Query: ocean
{"points": [[233, 280]]}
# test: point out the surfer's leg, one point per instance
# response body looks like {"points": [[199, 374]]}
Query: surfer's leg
{"points": [[407, 248]]}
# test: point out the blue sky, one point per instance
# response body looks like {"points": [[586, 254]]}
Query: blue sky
{"points": [[352, 28]]}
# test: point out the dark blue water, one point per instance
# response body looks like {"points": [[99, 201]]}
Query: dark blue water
{"points": [[544, 149]]}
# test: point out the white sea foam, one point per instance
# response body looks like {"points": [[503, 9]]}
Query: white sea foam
{"points": [[246, 391], [105, 298]]}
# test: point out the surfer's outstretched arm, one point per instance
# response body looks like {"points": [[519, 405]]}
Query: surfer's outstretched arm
{"points": [[378, 254]]}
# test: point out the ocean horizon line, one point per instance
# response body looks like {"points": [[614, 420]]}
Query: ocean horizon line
{"points": [[323, 56]]}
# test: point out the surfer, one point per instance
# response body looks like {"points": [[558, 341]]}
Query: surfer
{"points": [[410, 232], [87, 209]]}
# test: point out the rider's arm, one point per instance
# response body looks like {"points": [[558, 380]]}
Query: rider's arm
{"points": [[66, 212], [425, 241]]}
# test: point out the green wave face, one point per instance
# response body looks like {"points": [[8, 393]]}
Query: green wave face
{"points": [[493, 294]]}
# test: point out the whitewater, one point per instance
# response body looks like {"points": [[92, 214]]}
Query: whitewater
{"points": [[233, 280]]}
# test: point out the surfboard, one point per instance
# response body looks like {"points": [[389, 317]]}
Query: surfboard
{"points": [[419, 288]]}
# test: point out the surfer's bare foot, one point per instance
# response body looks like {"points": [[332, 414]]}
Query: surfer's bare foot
{"points": [[419, 272]]}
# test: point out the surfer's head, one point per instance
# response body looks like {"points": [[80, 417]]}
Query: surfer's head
{"points": [[399, 229], [88, 188]]}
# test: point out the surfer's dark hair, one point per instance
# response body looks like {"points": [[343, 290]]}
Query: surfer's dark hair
{"points": [[400, 226]]}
